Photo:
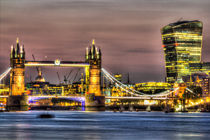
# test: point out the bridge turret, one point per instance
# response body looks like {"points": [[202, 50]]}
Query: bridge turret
{"points": [[17, 56], [99, 54], [94, 59], [17, 99], [94, 97], [93, 54]]}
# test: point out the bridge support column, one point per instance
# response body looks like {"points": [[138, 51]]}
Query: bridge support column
{"points": [[94, 103], [17, 103], [17, 100], [94, 100]]}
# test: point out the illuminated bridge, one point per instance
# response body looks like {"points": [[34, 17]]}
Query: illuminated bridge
{"points": [[134, 94], [17, 99]]}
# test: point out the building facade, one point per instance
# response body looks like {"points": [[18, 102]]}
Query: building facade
{"points": [[152, 87], [200, 67], [182, 44], [206, 87]]}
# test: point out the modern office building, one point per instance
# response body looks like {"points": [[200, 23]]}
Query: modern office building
{"points": [[200, 67], [182, 44]]}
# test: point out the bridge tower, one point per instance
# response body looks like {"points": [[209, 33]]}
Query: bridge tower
{"points": [[94, 100], [17, 100]]}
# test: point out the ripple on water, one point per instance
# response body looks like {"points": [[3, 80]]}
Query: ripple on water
{"points": [[105, 125]]}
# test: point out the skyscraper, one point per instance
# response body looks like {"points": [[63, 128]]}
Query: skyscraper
{"points": [[182, 44]]}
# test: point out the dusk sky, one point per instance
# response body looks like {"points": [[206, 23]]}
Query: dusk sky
{"points": [[127, 31]]}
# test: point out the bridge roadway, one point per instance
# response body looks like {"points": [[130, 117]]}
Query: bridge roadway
{"points": [[106, 97]]}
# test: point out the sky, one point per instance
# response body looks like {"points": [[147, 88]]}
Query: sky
{"points": [[127, 31]]}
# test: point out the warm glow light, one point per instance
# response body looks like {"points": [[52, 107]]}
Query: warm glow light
{"points": [[57, 62], [93, 42], [34, 64], [17, 41]]}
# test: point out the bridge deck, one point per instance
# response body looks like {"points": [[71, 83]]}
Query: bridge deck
{"points": [[138, 98], [106, 97], [57, 63]]}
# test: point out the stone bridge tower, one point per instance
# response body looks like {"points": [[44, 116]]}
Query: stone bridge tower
{"points": [[17, 100], [94, 100]]}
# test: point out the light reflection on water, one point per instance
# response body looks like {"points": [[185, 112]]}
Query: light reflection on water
{"points": [[105, 125]]}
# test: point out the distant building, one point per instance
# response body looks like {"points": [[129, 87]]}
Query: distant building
{"points": [[206, 87], [182, 44], [43, 88], [4, 89], [200, 67], [194, 79], [118, 77], [152, 87]]}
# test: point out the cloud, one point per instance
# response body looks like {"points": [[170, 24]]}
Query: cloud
{"points": [[128, 32]]}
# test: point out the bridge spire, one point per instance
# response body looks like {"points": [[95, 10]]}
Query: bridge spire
{"points": [[17, 40], [93, 42]]}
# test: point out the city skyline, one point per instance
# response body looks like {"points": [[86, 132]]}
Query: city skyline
{"points": [[127, 32]]}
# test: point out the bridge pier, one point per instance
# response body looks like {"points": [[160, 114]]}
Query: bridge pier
{"points": [[94, 100], [94, 103], [17, 100], [17, 103]]}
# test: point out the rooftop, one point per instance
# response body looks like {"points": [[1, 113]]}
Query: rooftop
{"points": [[182, 22]]}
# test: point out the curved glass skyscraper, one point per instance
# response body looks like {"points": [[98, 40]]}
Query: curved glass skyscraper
{"points": [[182, 44]]}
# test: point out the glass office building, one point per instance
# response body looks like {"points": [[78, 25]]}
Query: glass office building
{"points": [[182, 44], [200, 67]]}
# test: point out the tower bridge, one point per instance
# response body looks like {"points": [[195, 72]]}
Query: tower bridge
{"points": [[94, 99], [18, 100]]}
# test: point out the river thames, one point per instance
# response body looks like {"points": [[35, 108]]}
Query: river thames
{"points": [[105, 125]]}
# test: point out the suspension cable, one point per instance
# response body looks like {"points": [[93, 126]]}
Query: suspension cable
{"points": [[130, 90], [4, 74]]}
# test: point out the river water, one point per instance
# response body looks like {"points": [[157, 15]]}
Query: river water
{"points": [[105, 125]]}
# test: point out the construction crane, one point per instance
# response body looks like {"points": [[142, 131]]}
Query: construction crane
{"points": [[67, 77], [59, 78], [75, 76], [37, 68]]}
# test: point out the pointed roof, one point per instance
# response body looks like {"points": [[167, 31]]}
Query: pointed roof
{"points": [[99, 51], [17, 40], [93, 42], [198, 79], [179, 80], [18, 47], [191, 81]]}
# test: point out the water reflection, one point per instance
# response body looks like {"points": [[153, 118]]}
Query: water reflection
{"points": [[105, 125]]}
